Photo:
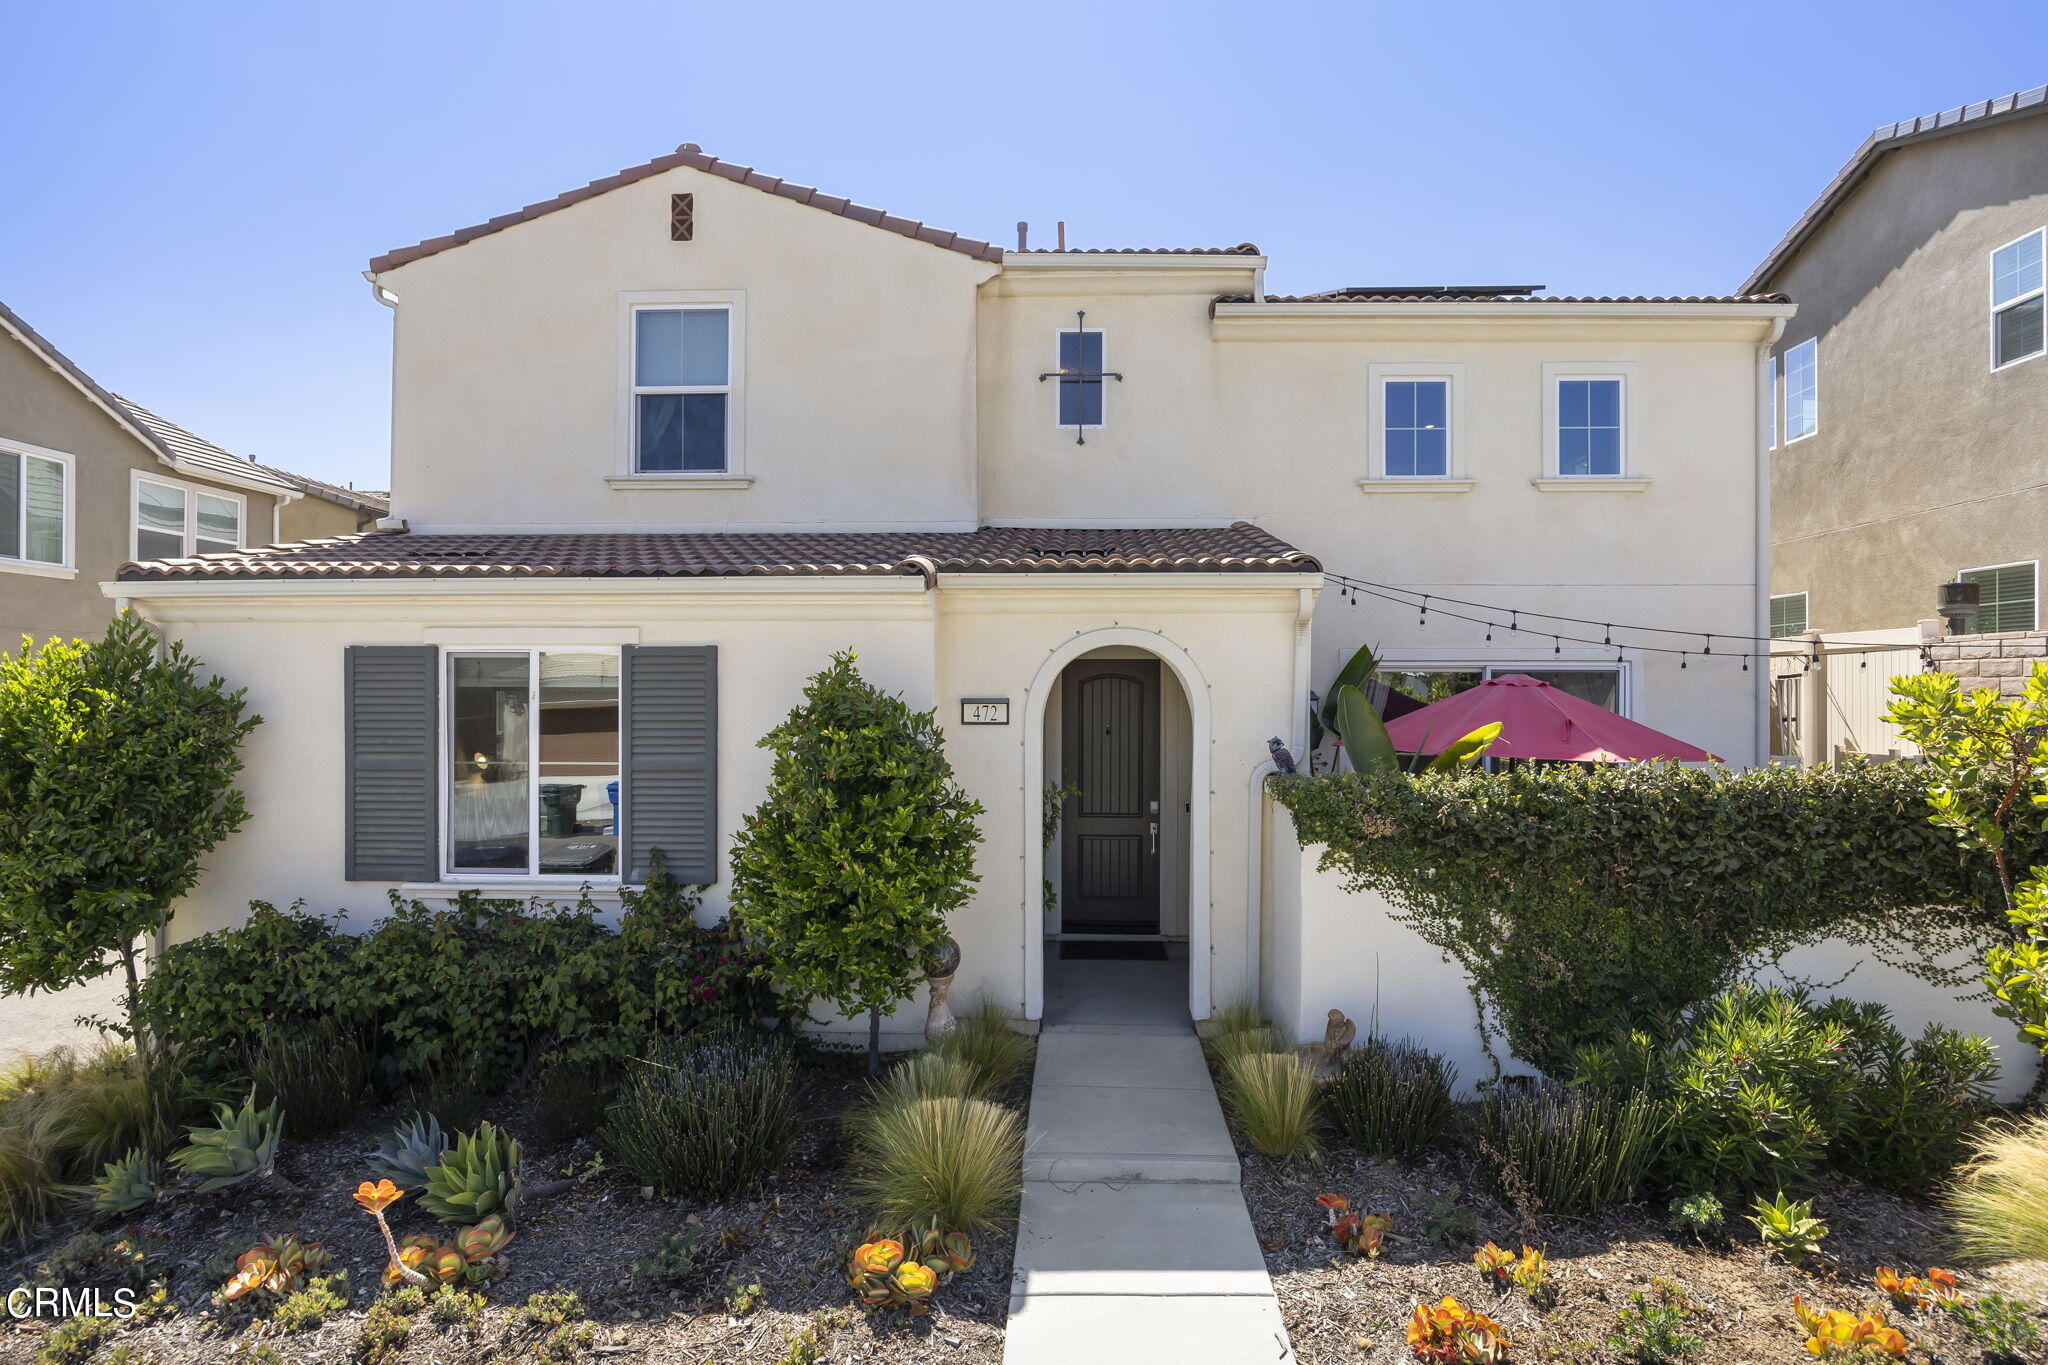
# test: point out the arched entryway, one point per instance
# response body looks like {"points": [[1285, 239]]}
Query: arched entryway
{"points": [[1122, 715]]}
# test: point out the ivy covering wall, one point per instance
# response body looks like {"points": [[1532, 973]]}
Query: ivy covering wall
{"points": [[1582, 902]]}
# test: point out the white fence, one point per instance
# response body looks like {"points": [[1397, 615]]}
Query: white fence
{"points": [[1828, 700]]}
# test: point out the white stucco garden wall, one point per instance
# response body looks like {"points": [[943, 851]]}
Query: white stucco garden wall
{"points": [[1347, 951]]}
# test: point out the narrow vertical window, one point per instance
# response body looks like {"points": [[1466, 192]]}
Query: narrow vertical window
{"points": [[33, 493], [1417, 432], [1080, 379], [2016, 301], [682, 389], [1802, 390], [1788, 615], [1589, 428], [1771, 403], [2008, 598], [217, 525]]}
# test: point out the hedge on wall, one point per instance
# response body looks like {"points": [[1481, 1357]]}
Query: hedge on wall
{"points": [[1581, 902]]}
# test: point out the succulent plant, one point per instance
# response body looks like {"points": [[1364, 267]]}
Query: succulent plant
{"points": [[485, 1240], [126, 1185], [276, 1265], [884, 1275], [240, 1144], [472, 1256], [403, 1155], [477, 1177]]}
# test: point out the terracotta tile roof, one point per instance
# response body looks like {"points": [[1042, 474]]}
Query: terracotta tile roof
{"points": [[1503, 298], [1963, 118], [690, 154], [1241, 249], [1239, 548]]}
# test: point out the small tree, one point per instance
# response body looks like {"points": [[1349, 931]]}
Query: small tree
{"points": [[1991, 759], [844, 874], [116, 771]]}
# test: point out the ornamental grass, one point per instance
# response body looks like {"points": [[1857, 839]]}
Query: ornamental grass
{"points": [[949, 1162], [1272, 1095], [1998, 1207], [996, 1055], [1392, 1099]]}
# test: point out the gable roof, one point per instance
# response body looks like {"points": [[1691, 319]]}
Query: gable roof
{"points": [[693, 156], [1237, 548], [374, 502], [1965, 118], [171, 443]]}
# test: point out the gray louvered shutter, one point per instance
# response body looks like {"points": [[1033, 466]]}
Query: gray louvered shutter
{"points": [[669, 750], [393, 737]]}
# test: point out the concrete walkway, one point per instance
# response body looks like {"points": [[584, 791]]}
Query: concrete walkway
{"points": [[1133, 1245]]}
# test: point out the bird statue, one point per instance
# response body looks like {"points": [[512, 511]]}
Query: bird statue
{"points": [[1282, 759]]}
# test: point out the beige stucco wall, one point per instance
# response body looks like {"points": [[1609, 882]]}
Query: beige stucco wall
{"points": [[1926, 461], [967, 638], [43, 408], [857, 386], [311, 518], [1347, 951]]}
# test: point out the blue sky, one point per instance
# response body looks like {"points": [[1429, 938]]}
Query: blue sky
{"points": [[188, 193]]}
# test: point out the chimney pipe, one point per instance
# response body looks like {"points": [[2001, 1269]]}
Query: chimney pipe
{"points": [[1063, 234], [1023, 235]]}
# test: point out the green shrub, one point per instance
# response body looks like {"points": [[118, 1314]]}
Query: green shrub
{"points": [[1391, 1099], [305, 1309], [705, 1115], [1908, 1111], [453, 1091], [998, 1055], [1272, 1095], [75, 1339], [1584, 904], [319, 1074], [1573, 1148], [1652, 1333], [1699, 1214], [569, 1096], [2001, 1325], [1998, 1208], [955, 1164]]}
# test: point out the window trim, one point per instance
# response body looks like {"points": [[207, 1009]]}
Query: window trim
{"points": [[1101, 385], [1785, 405], [2039, 291], [533, 876], [1628, 476], [139, 477], [67, 565], [1805, 613], [2035, 624], [626, 472], [1452, 374]]}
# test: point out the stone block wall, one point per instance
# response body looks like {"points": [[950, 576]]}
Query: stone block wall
{"points": [[1999, 661]]}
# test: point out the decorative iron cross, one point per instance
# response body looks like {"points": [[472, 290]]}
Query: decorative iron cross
{"points": [[1081, 376]]}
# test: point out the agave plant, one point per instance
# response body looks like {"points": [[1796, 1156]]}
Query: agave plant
{"points": [[126, 1185], [239, 1144], [479, 1176], [276, 1265], [403, 1155]]}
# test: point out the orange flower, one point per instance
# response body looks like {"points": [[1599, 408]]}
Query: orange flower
{"points": [[378, 1197]]}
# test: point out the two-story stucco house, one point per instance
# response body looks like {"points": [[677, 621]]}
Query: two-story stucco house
{"points": [[663, 444]]}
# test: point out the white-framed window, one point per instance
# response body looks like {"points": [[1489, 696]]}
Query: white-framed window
{"points": [[531, 774], [682, 388], [2009, 597], [1589, 420], [36, 509], [1788, 615], [1802, 390], [1082, 391], [171, 520], [1415, 428], [2017, 300]]}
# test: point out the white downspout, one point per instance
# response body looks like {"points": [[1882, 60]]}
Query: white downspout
{"points": [[1761, 625]]}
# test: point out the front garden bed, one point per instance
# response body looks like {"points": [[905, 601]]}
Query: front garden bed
{"points": [[790, 1236]]}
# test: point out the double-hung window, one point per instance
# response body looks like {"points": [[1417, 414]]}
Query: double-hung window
{"points": [[2016, 301], [172, 520], [682, 389], [1788, 615], [1416, 428], [35, 508], [1589, 427], [1802, 390], [2008, 597], [1081, 380], [532, 766]]}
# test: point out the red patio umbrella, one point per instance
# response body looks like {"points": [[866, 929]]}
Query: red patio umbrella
{"points": [[1537, 721]]}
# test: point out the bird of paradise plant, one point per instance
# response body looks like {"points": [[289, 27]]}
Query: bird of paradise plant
{"points": [[374, 1200]]}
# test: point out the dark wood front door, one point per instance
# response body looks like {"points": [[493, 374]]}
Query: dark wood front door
{"points": [[1109, 855]]}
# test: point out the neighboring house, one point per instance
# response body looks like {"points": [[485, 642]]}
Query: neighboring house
{"points": [[90, 480], [663, 444], [1909, 404], [327, 509]]}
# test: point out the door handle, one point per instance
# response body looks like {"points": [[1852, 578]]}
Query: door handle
{"points": [[1155, 836]]}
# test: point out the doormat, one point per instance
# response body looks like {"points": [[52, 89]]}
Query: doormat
{"points": [[1120, 950]]}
